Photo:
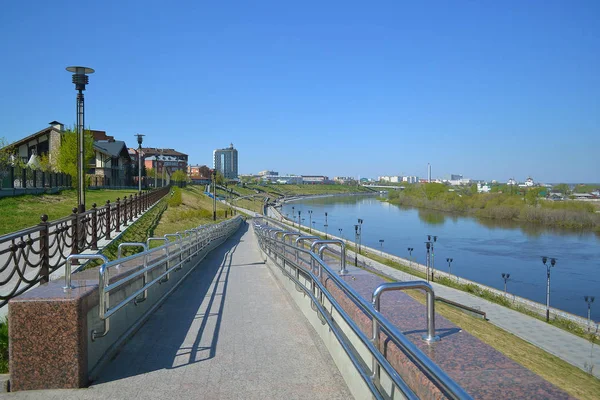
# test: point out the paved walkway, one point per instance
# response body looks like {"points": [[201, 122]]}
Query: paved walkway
{"points": [[228, 332], [571, 348]]}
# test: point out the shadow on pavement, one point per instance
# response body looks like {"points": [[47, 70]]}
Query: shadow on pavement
{"points": [[183, 330]]}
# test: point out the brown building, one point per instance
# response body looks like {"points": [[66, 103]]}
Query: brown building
{"points": [[168, 159]]}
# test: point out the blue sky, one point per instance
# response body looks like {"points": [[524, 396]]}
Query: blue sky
{"points": [[489, 89]]}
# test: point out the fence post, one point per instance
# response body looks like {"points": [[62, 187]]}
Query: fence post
{"points": [[118, 215], [44, 179], [11, 175], [23, 178], [131, 204], [34, 178], [125, 216], [107, 237], [75, 232], [44, 251], [94, 244]]}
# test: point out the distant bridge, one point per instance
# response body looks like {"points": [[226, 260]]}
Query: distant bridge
{"points": [[384, 187]]}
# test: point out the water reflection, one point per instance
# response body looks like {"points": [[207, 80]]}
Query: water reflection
{"points": [[432, 217]]}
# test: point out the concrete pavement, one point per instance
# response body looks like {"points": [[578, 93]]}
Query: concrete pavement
{"points": [[228, 332]]}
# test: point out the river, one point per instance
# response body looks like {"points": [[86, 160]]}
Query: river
{"points": [[481, 249]]}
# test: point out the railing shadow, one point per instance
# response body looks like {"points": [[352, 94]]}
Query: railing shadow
{"points": [[185, 329]]}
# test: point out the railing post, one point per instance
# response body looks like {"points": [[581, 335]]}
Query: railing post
{"points": [[137, 205], [107, 237], [118, 215], [44, 251], [23, 178], [131, 205], [94, 244], [75, 232], [125, 216]]}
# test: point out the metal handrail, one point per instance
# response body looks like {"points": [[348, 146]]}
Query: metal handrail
{"points": [[130, 244], [68, 262], [343, 270], [431, 370], [106, 311]]}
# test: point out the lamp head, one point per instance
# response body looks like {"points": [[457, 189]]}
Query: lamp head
{"points": [[140, 138], [553, 261], [428, 245], [544, 260]]}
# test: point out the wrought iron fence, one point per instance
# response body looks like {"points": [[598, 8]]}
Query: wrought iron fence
{"points": [[29, 256]]}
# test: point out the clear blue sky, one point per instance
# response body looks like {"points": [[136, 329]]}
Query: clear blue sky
{"points": [[489, 89]]}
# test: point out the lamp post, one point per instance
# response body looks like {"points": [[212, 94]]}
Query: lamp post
{"points": [[410, 250], [299, 212], [341, 237], [293, 217], [214, 174], [360, 221], [449, 261], [356, 244], [427, 246], [381, 243], [505, 277], [310, 221], [589, 300], [140, 139], [325, 225], [548, 266], [432, 259], [80, 79]]}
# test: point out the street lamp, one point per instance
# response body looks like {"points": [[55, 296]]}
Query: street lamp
{"points": [[449, 261], [356, 244], [80, 79], [505, 277], [293, 216], [299, 211], [140, 139], [310, 221], [589, 300], [432, 260], [427, 246], [214, 194], [325, 225], [410, 250], [360, 221], [340, 229], [381, 242], [548, 266]]}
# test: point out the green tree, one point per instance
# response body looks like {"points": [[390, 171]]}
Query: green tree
{"points": [[563, 188], [434, 190], [473, 188], [220, 178], [67, 156], [532, 196], [179, 176]]}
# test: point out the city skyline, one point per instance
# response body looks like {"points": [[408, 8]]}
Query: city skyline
{"points": [[507, 90]]}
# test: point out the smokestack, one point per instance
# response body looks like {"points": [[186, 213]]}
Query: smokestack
{"points": [[428, 172]]}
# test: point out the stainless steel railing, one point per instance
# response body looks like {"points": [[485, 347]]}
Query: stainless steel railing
{"points": [[279, 250], [172, 255]]}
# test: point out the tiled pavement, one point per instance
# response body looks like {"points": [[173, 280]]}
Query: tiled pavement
{"points": [[573, 349], [228, 332]]}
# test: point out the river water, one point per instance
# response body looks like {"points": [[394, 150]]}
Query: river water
{"points": [[481, 249]]}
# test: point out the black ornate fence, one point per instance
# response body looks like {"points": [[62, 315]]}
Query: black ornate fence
{"points": [[29, 256]]}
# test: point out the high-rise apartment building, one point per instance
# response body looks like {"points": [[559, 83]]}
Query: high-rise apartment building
{"points": [[226, 161]]}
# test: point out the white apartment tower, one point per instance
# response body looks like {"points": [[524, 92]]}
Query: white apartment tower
{"points": [[226, 161]]}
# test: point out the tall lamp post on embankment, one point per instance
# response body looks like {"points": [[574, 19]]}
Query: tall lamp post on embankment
{"points": [[80, 79], [410, 250], [589, 300], [381, 243], [325, 225], [356, 244], [140, 139], [427, 247], [214, 194], [299, 212], [449, 261], [505, 276], [552, 263], [432, 258], [360, 222], [310, 221]]}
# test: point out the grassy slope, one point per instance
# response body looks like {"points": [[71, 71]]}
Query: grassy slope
{"points": [[195, 209], [21, 212]]}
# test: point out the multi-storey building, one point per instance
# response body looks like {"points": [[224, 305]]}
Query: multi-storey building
{"points": [[168, 160], [226, 161], [268, 173]]}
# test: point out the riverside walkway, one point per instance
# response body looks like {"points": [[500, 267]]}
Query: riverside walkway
{"points": [[228, 332]]}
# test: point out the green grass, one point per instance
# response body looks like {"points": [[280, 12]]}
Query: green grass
{"points": [[194, 209], [22, 212], [4, 346], [569, 378]]}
